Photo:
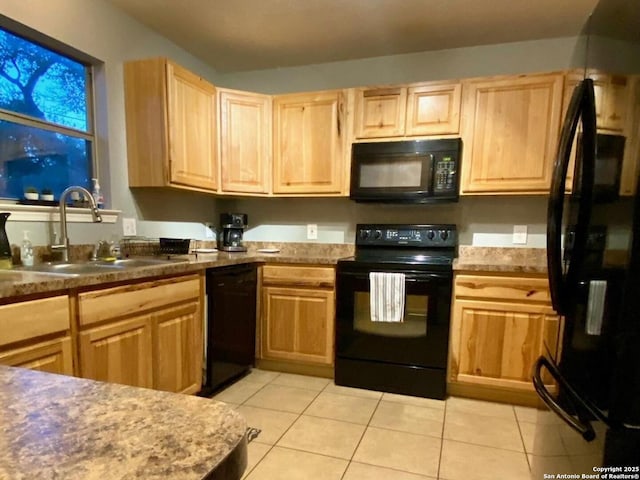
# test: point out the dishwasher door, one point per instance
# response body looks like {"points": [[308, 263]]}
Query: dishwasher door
{"points": [[231, 325]]}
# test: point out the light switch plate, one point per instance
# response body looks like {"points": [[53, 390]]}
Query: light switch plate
{"points": [[519, 234], [312, 231], [129, 227]]}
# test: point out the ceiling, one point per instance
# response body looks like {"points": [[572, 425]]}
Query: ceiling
{"points": [[236, 35]]}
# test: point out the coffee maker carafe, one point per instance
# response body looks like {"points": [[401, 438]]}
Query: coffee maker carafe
{"points": [[230, 237]]}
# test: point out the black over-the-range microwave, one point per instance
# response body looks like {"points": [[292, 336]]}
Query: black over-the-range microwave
{"points": [[419, 171]]}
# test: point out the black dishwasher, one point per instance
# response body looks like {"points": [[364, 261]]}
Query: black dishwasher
{"points": [[231, 325]]}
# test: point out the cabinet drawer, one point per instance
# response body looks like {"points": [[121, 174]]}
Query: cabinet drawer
{"points": [[35, 318], [521, 289], [110, 303], [52, 356], [298, 276]]}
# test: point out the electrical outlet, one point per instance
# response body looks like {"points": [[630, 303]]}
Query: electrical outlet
{"points": [[520, 234], [312, 231], [208, 231], [129, 227]]}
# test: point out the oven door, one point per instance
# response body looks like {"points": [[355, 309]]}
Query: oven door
{"points": [[421, 339]]}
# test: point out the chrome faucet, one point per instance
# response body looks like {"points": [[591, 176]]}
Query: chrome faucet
{"points": [[95, 213]]}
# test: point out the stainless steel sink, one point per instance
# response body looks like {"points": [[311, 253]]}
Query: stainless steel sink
{"points": [[74, 269], [141, 262]]}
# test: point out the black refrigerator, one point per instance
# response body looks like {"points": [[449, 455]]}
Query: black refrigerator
{"points": [[593, 252]]}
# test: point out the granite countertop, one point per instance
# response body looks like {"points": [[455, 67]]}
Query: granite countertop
{"points": [[501, 259], [16, 283], [59, 427]]}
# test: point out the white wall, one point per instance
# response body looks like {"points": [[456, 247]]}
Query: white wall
{"points": [[103, 32], [483, 221], [98, 29], [506, 58]]}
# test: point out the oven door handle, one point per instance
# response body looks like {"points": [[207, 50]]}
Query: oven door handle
{"points": [[409, 277]]}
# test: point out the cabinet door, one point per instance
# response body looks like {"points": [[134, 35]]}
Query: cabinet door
{"points": [[380, 112], [496, 344], [433, 109], [245, 142], [631, 161], [53, 357], [309, 143], [177, 349], [612, 97], [298, 325], [510, 132], [192, 129], [119, 352]]}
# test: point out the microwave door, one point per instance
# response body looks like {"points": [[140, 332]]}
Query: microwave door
{"points": [[398, 176]]}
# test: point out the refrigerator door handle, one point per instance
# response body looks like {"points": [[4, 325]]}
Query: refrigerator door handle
{"points": [[581, 108], [581, 424]]}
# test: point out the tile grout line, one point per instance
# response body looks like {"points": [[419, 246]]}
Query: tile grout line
{"points": [[524, 447], [248, 472], [444, 420], [366, 427]]}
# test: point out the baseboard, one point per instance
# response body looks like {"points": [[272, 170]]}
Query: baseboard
{"points": [[494, 394]]}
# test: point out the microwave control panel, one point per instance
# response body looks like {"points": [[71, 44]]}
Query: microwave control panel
{"points": [[444, 174]]}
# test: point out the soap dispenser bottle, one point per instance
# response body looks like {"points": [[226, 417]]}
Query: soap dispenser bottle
{"points": [[5, 248], [97, 193], [26, 250]]}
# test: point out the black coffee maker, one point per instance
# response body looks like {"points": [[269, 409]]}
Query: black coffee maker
{"points": [[231, 227]]}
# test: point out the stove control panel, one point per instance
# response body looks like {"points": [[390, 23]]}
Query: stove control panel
{"points": [[441, 235]]}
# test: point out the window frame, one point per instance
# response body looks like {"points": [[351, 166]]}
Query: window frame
{"points": [[89, 63]]}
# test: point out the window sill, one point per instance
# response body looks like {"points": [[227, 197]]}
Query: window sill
{"points": [[39, 213]]}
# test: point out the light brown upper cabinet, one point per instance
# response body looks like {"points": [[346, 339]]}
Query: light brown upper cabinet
{"points": [[617, 113], [611, 94], [380, 112], [416, 110], [510, 131], [631, 161], [171, 126], [245, 142], [309, 143], [433, 109]]}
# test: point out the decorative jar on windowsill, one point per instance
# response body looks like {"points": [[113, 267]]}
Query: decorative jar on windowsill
{"points": [[46, 195], [31, 194]]}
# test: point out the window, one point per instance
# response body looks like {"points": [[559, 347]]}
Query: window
{"points": [[46, 128]]}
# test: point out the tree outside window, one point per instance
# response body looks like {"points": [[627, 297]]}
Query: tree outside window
{"points": [[46, 132]]}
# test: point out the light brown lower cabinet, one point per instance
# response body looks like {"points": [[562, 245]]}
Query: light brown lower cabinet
{"points": [[119, 352], [177, 348], [145, 335], [500, 326], [53, 356], [36, 334], [299, 324], [298, 312]]}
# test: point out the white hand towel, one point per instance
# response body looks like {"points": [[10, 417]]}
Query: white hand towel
{"points": [[387, 296]]}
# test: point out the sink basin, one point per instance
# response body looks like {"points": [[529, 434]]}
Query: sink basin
{"points": [[74, 269], [140, 262]]}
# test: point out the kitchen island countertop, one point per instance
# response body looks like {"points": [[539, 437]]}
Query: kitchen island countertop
{"points": [[54, 426]]}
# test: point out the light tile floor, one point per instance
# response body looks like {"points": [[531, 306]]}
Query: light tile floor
{"points": [[313, 429]]}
